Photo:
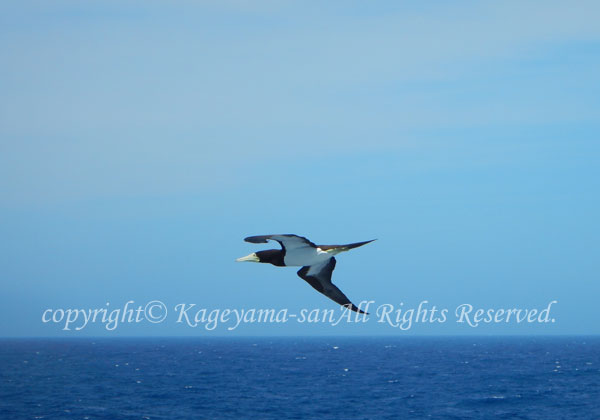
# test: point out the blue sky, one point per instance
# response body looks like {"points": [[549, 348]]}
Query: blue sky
{"points": [[141, 141]]}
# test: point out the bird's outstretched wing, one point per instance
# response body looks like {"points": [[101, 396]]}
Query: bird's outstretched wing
{"points": [[288, 241], [319, 277]]}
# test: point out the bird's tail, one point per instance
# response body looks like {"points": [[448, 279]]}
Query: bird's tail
{"points": [[335, 249]]}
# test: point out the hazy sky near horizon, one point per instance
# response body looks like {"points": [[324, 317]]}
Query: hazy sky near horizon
{"points": [[141, 141]]}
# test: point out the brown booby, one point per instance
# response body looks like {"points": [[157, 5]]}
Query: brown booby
{"points": [[317, 261]]}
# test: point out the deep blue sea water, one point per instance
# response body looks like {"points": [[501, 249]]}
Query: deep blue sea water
{"points": [[315, 378]]}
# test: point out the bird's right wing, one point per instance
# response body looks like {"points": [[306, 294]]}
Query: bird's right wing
{"points": [[319, 277], [288, 241]]}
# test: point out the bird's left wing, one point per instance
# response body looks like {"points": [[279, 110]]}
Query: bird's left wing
{"points": [[288, 241], [319, 277]]}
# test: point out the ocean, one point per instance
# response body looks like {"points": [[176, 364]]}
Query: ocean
{"points": [[301, 378]]}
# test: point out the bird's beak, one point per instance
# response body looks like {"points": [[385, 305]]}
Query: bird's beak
{"points": [[252, 257]]}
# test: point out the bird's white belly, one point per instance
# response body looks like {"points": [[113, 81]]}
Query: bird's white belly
{"points": [[305, 256]]}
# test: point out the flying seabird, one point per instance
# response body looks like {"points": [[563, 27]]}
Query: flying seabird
{"points": [[317, 261]]}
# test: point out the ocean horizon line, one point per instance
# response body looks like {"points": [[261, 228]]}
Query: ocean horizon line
{"points": [[299, 336]]}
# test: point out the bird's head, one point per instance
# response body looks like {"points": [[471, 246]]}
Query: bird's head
{"points": [[270, 256]]}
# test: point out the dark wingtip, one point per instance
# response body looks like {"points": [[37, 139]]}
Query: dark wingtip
{"points": [[256, 239], [357, 244], [355, 308]]}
